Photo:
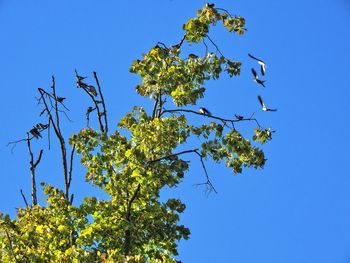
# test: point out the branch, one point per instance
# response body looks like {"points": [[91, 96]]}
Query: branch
{"points": [[33, 168], [56, 126], [128, 218], [86, 88], [102, 100], [217, 48], [208, 182], [11, 246], [215, 117], [171, 156], [24, 198], [71, 165]]}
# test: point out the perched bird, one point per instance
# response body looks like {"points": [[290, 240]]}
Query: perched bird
{"points": [[256, 78], [41, 126], [35, 132], [209, 5], [79, 78], [204, 111], [192, 56], [264, 108], [81, 84], [261, 63], [60, 99], [239, 117], [92, 90], [89, 110]]}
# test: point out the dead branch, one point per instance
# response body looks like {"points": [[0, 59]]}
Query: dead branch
{"points": [[33, 169], [102, 101], [24, 198]]}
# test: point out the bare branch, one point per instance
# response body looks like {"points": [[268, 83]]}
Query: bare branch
{"points": [[24, 198], [32, 169], [102, 101], [232, 121], [208, 182], [11, 246], [217, 48], [71, 165]]}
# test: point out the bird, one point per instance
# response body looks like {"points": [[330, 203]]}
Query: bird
{"points": [[35, 132], [204, 111], [60, 99], [92, 90], [41, 126], [239, 117], [264, 108], [192, 56], [261, 63], [256, 78], [89, 110], [209, 5]]}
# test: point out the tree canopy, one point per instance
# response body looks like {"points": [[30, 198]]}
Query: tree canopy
{"points": [[135, 161]]}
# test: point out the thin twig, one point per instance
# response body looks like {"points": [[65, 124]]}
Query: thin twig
{"points": [[217, 48], [24, 198], [71, 165], [208, 182], [215, 117]]}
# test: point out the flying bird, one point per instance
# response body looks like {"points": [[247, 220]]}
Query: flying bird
{"points": [[256, 78], [35, 132], [264, 108], [261, 63], [204, 111]]}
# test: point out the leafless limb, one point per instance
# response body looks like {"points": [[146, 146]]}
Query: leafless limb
{"points": [[33, 166], [55, 122], [216, 47], [87, 88], [71, 165], [24, 198], [170, 156], [208, 182], [11, 246], [232, 121], [102, 101]]}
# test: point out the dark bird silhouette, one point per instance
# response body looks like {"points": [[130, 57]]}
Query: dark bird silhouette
{"points": [[89, 110], [261, 63], [92, 90], [239, 117], [209, 5], [204, 111], [192, 56], [81, 84], [60, 99], [35, 133], [256, 78], [41, 126], [264, 108]]}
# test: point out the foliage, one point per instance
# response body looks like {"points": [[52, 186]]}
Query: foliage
{"points": [[136, 161]]}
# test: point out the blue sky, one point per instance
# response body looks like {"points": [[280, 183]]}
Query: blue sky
{"points": [[295, 210]]}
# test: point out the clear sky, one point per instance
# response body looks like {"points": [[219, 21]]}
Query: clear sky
{"points": [[295, 210]]}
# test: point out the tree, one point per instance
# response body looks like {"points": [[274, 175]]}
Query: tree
{"points": [[133, 163]]}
